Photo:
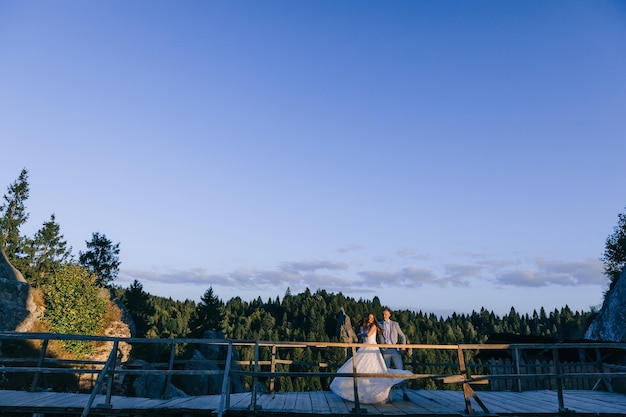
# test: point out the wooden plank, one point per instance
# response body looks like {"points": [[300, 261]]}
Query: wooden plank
{"points": [[263, 400], [303, 403], [64, 399], [578, 401], [454, 400], [290, 402], [547, 399], [519, 402], [336, 404], [276, 402], [199, 402], [240, 400], [495, 402], [613, 398], [395, 406], [415, 404], [435, 403], [319, 405]]}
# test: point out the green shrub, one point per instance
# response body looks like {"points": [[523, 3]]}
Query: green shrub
{"points": [[73, 306]]}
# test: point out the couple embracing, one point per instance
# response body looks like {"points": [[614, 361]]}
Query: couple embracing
{"points": [[370, 359]]}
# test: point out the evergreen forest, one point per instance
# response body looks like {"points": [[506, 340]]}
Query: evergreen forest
{"points": [[313, 316]]}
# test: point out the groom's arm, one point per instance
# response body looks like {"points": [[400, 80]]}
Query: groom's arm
{"points": [[401, 335]]}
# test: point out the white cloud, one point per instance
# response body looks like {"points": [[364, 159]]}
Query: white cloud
{"points": [[342, 277], [350, 248], [554, 272], [298, 267]]}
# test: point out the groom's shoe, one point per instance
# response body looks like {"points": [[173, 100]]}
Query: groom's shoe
{"points": [[405, 397]]}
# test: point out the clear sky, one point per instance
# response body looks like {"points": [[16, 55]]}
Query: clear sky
{"points": [[443, 155]]}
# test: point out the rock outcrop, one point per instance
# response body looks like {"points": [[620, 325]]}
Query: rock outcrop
{"points": [[345, 331], [609, 324], [17, 307], [206, 357], [19, 312]]}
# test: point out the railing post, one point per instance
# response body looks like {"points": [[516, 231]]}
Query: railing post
{"points": [[559, 379], [42, 356], [168, 378], [255, 379], [467, 389], [355, 383], [225, 394], [599, 366], [107, 398], [516, 358], [273, 368], [105, 370]]}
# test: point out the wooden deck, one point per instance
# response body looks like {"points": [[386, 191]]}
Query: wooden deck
{"points": [[323, 403]]}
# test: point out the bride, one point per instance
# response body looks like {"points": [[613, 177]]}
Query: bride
{"points": [[369, 360]]}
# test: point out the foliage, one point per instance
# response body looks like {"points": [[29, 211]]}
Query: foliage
{"points": [[614, 257], [14, 215], [102, 258], [46, 252], [73, 305], [140, 307], [208, 315]]}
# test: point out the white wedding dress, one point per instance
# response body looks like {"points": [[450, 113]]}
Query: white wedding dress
{"points": [[369, 360]]}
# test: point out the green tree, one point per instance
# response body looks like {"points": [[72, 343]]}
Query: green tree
{"points": [[209, 314], [47, 252], [140, 307], [14, 215], [614, 257], [102, 258]]}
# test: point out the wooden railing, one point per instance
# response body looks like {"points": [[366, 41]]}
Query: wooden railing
{"points": [[41, 362]]}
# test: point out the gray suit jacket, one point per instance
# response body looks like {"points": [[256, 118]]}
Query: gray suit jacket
{"points": [[395, 333]]}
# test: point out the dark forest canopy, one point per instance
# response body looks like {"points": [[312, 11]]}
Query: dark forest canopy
{"points": [[313, 316]]}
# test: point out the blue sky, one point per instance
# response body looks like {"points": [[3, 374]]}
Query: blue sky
{"points": [[443, 155]]}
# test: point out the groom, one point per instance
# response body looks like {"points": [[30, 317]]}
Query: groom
{"points": [[391, 334]]}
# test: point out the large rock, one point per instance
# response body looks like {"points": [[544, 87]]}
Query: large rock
{"points": [[17, 307], [202, 384], [153, 386], [345, 331], [7, 270], [203, 359], [608, 326]]}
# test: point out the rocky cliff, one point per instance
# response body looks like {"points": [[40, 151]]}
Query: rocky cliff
{"points": [[17, 307], [19, 311], [610, 323]]}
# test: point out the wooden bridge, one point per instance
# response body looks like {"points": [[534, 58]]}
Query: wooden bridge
{"points": [[473, 393]]}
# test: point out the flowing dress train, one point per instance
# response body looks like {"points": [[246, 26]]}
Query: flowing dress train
{"points": [[369, 360]]}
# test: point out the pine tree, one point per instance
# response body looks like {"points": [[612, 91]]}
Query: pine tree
{"points": [[614, 257], [140, 307], [14, 215], [47, 252], [209, 314]]}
